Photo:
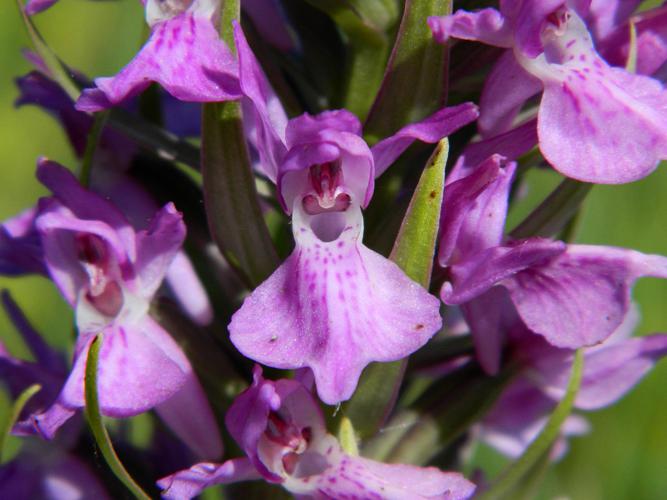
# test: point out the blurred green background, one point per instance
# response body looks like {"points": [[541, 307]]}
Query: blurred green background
{"points": [[625, 455]]}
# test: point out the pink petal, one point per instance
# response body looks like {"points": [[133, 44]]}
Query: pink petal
{"points": [[185, 55], [140, 366], [334, 306], [190, 482], [486, 25], [429, 130], [578, 298]]}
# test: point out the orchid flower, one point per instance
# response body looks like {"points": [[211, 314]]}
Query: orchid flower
{"points": [[611, 369], [596, 123], [572, 295], [108, 272], [334, 305], [281, 429]]}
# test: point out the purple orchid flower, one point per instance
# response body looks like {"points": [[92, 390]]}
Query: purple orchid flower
{"points": [[334, 305], [20, 250], [109, 272], [596, 123], [184, 54], [611, 369], [572, 295], [281, 429]]}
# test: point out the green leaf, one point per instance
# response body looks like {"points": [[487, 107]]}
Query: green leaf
{"points": [[15, 413], [413, 252], [415, 244], [230, 196], [513, 476], [231, 200], [554, 213], [414, 81], [94, 418]]}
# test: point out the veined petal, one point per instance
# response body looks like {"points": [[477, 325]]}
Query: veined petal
{"points": [[184, 54], [617, 121], [579, 297], [358, 477], [480, 272], [140, 366], [610, 371], [334, 306]]}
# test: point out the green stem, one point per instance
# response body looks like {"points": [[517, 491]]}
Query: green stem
{"points": [[94, 418], [15, 413], [511, 478]]}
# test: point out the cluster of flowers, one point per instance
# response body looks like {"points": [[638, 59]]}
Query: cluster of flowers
{"points": [[561, 86]]}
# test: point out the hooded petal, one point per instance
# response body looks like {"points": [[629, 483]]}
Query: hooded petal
{"points": [[84, 203], [184, 55], [334, 306], [579, 297], [430, 130], [330, 136], [474, 210], [157, 246]]}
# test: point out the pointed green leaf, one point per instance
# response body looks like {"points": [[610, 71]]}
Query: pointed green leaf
{"points": [[413, 252], [414, 81], [512, 477], [15, 413], [94, 418]]}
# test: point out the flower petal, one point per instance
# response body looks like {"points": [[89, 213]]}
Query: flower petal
{"points": [[184, 54], [190, 482], [429, 130], [334, 306], [139, 368], [578, 298], [486, 25]]}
